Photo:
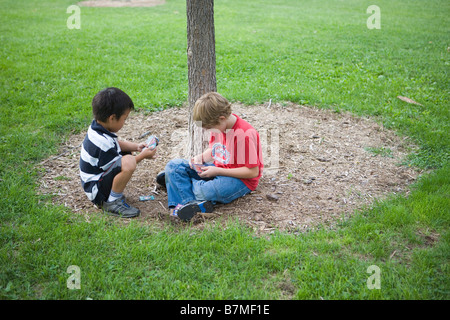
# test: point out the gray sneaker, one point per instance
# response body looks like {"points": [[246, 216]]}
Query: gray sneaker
{"points": [[120, 208]]}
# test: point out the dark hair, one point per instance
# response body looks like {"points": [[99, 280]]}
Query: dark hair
{"points": [[110, 101]]}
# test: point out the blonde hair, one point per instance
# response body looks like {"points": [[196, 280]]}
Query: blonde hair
{"points": [[209, 108]]}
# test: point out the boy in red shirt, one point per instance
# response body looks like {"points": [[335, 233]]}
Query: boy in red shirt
{"points": [[235, 151]]}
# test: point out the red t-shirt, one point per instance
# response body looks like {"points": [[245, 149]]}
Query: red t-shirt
{"points": [[238, 147]]}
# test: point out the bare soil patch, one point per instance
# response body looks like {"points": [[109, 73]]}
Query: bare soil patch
{"points": [[327, 167], [121, 3]]}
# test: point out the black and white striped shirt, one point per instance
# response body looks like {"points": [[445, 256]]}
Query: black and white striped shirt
{"points": [[99, 151]]}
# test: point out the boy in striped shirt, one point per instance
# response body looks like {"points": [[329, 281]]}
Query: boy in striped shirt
{"points": [[106, 164]]}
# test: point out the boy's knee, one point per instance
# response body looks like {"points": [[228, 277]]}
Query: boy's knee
{"points": [[128, 163], [199, 193], [172, 165]]}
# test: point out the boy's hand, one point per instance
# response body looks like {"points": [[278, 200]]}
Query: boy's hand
{"points": [[140, 147], [209, 172], [148, 153], [198, 159]]}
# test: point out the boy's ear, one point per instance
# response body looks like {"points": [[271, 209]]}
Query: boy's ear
{"points": [[112, 117]]}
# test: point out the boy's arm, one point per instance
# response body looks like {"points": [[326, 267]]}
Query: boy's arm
{"points": [[127, 146], [240, 173], [203, 157], [207, 156], [146, 154]]}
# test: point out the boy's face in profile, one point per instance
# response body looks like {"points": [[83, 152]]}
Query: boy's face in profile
{"points": [[114, 124]]}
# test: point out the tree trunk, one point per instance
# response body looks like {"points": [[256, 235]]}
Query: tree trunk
{"points": [[201, 54]]}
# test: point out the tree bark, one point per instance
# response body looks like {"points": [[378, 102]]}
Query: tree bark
{"points": [[201, 56]]}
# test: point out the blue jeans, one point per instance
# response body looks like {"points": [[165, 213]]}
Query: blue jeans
{"points": [[185, 185]]}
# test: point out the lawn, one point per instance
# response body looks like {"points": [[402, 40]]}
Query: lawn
{"points": [[317, 53]]}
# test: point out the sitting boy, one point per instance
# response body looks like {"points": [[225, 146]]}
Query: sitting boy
{"points": [[104, 170], [234, 147]]}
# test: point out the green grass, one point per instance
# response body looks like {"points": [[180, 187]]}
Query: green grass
{"points": [[310, 52], [384, 152]]}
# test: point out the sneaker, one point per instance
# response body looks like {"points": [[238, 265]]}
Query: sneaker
{"points": [[161, 178], [120, 208], [187, 211]]}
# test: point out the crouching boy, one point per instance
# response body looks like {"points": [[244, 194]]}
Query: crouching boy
{"points": [[106, 164], [230, 168]]}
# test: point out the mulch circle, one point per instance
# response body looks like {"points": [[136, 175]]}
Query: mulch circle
{"points": [[318, 168]]}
